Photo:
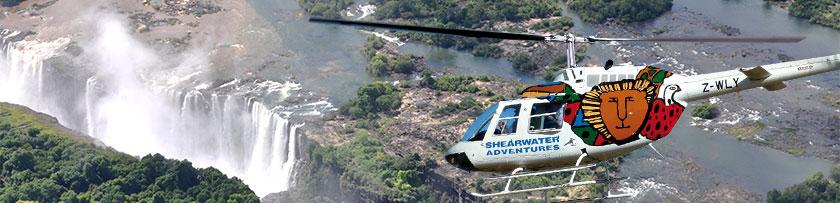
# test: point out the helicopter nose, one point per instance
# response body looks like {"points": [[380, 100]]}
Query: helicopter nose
{"points": [[460, 160]]}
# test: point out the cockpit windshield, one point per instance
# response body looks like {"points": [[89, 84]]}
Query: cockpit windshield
{"points": [[479, 127]]}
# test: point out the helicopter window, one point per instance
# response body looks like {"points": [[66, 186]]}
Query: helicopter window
{"points": [[546, 116], [630, 76], [613, 77], [565, 76], [605, 78], [507, 120], [592, 80], [480, 126]]}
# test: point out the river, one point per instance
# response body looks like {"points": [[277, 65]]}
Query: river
{"points": [[327, 59]]}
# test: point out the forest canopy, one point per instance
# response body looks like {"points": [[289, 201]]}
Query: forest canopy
{"points": [[41, 162], [598, 11]]}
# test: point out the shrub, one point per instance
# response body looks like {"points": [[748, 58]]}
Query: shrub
{"points": [[448, 109], [597, 11], [557, 25], [326, 8], [706, 111], [372, 99], [487, 50], [522, 62], [815, 188]]}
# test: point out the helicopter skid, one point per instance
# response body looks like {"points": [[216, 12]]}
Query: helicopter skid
{"points": [[574, 168], [536, 189], [592, 199], [571, 184]]}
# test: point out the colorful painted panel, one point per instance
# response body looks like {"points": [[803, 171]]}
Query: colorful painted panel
{"points": [[654, 75], [618, 109], [617, 112], [543, 90], [664, 114]]}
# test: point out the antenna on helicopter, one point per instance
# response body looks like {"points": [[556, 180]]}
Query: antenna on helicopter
{"points": [[569, 38], [608, 65]]}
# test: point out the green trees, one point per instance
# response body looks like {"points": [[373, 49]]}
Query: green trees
{"points": [[326, 8], [459, 83], [381, 64], [522, 62], [41, 163], [471, 14], [372, 44], [468, 103], [364, 166], [371, 100], [487, 50], [707, 111], [557, 25], [597, 11], [815, 188], [378, 65], [825, 12]]}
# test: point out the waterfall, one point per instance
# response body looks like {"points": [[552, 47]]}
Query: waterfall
{"points": [[227, 126], [22, 76]]}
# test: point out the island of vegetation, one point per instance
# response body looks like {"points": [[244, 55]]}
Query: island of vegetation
{"points": [[45, 162], [474, 15], [508, 15], [824, 12], [598, 11], [382, 62], [706, 111], [815, 188], [326, 8]]}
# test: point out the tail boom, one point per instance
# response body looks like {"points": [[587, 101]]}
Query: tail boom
{"points": [[771, 77]]}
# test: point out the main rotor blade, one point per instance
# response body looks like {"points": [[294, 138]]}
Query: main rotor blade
{"points": [[706, 39], [413, 28]]}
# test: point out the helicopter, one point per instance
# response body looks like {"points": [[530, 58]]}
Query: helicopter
{"points": [[588, 115]]}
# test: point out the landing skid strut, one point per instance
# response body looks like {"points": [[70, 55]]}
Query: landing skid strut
{"points": [[571, 183]]}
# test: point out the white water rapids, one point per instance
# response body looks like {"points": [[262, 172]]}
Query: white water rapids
{"points": [[130, 101]]}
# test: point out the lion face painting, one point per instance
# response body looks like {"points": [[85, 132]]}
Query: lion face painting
{"points": [[617, 110]]}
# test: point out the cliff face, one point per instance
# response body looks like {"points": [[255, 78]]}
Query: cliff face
{"points": [[44, 161]]}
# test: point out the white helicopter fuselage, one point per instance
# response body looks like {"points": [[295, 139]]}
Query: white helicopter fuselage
{"points": [[525, 138], [536, 149]]}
